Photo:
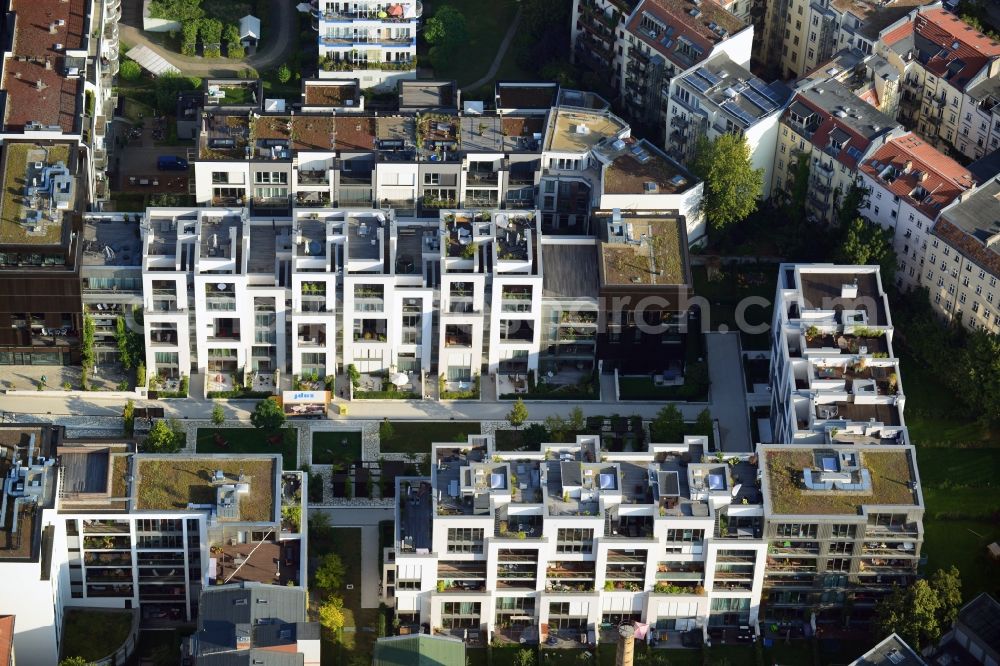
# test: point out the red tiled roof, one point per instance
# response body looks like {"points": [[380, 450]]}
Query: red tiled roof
{"points": [[6, 639], [35, 58], [962, 50], [676, 14], [942, 177]]}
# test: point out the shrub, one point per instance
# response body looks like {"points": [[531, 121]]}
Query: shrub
{"points": [[129, 70], [284, 74]]}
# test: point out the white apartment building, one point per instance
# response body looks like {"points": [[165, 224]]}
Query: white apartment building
{"points": [[665, 39], [834, 377], [59, 65], [92, 524], [571, 539], [909, 183], [961, 270], [374, 41], [491, 293], [722, 97]]}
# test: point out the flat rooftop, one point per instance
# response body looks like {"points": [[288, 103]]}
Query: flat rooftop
{"points": [[331, 94], [526, 95], [570, 271], [482, 134], [354, 133], [744, 98], [21, 169], [639, 169], [891, 472], [35, 78], [108, 242], [824, 291], [644, 251], [215, 237], [426, 95], [578, 130], [172, 482], [973, 223], [892, 651]]}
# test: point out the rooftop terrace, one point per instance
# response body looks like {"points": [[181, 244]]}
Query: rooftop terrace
{"points": [[173, 482], [108, 242], [644, 251], [579, 130], [825, 291], [640, 169], [33, 186], [889, 471]]}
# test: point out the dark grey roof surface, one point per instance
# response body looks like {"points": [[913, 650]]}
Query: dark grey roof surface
{"points": [[982, 616], [892, 651], [269, 614]]}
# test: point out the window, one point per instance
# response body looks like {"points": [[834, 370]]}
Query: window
{"points": [[979, 290], [270, 178], [934, 243], [465, 540], [432, 179], [975, 306], [982, 275], [842, 548], [686, 536], [842, 531], [796, 530], [574, 540]]}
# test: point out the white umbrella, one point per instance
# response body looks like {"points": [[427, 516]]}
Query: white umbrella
{"points": [[399, 379]]}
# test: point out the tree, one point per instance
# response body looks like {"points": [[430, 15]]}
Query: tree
{"points": [[75, 661], [218, 416], [703, 424], [912, 612], [446, 29], [978, 361], [851, 204], [163, 437], [176, 10], [386, 431], [331, 614], [267, 415], [732, 185], [668, 426], [168, 85], [284, 74], [87, 343], [319, 525], [330, 573], [576, 420], [518, 413], [128, 416], [556, 427], [129, 70], [123, 343], [947, 584], [865, 243]]}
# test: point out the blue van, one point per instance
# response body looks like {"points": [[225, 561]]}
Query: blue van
{"points": [[171, 163]]}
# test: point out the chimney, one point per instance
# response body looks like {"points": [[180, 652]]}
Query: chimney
{"points": [[908, 165], [849, 290], [626, 646]]}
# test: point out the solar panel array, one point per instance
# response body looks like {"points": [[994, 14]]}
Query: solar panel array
{"points": [[702, 79], [758, 100], [733, 108]]}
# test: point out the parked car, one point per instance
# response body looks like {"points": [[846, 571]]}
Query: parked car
{"points": [[171, 163]]}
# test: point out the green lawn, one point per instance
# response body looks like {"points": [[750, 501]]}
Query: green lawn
{"points": [[959, 463], [336, 448], [963, 543], [643, 388], [94, 635], [725, 295], [251, 440], [417, 436], [486, 23]]}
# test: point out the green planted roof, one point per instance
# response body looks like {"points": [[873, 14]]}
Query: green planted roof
{"points": [[419, 650]]}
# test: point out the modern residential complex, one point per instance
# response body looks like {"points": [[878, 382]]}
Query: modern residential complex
{"points": [[90, 523], [372, 40], [834, 377], [571, 539]]}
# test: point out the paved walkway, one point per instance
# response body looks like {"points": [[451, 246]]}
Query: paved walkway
{"points": [[278, 46], [729, 406], [498, 58]]}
